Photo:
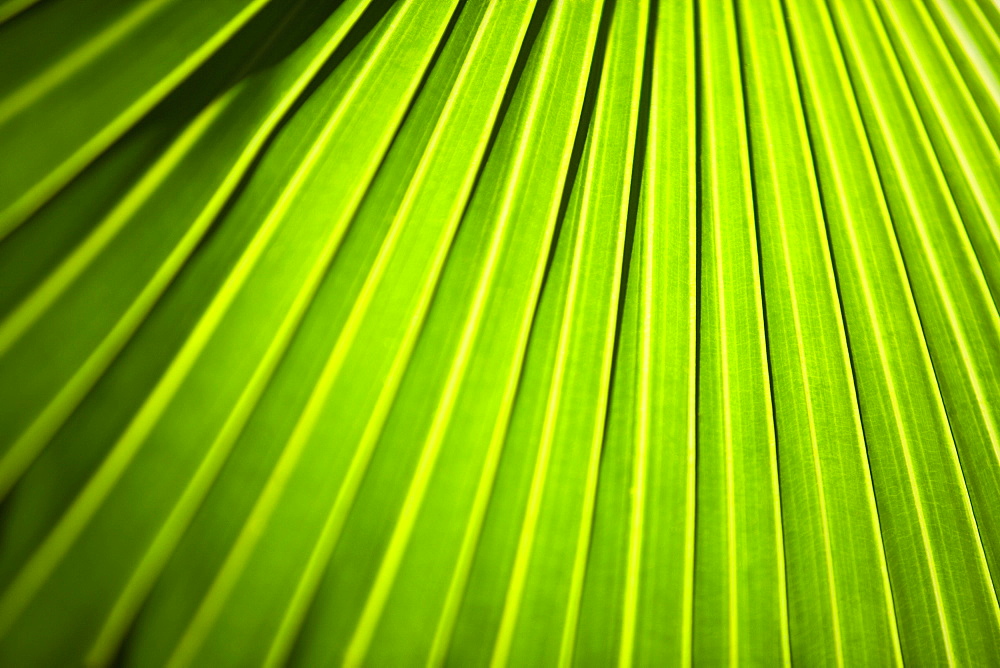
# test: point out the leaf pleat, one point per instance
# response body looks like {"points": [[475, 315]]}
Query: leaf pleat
{"points": [[499, 332]]}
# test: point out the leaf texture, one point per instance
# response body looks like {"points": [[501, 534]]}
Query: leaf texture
{"points": [[499, 332]]}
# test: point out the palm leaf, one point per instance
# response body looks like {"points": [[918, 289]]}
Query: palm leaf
{"points": [[512, 332]]}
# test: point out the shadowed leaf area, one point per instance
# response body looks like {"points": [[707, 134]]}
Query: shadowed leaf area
{"points": [[499, 332]]}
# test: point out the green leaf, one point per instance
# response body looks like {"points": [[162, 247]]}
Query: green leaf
{"points": [[508, 332]]}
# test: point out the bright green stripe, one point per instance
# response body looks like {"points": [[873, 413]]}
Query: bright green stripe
{"points": [[12, 8], [880, 341], [358, 645], [978, 44], [529, 525], [526, 540], [628, 34], [858, 193], [668, 365], [37, 195], [966, 135], [737, 423], [24, 450], [226, 579], [88, 501], [832, 557], [48, 421], [931, 252], [74, 61], [143, 577], [55, 284], [543, 87]]}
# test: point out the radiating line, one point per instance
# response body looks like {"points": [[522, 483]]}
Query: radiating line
{"points": [[879, 338], [889, 360], [159, 550], [30, 201], [239, 554], [357, 647], [484, 489], [586, 525], [68, 528], [74, 61], [779, 199], [12, 8], [802, 127], [51, 418], [711, 155], [988, 146], [930, 250], [26, 447], [529, 526], [931, 254]]}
